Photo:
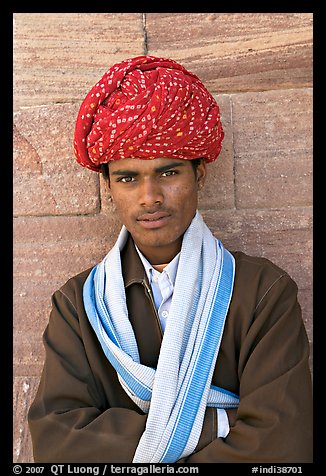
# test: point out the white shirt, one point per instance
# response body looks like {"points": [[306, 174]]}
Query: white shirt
{"points": [[162, 284]]}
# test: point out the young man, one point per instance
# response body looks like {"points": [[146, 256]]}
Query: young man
{"points": [[171, 349]]}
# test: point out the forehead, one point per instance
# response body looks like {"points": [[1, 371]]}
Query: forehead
{"points": [[146, 165]]}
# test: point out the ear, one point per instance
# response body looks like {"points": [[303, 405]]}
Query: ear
{"points": [[106, 184], [201, 174]]}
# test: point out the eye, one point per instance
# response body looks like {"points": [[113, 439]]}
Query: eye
{"points": [[169, 173], [126, 179]]}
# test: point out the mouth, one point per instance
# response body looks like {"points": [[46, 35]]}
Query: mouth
{"points": [[153, 220]]}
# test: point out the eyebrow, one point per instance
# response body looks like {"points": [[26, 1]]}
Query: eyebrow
{"points": [[163, 168]]}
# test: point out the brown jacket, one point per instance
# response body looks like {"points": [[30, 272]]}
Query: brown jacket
{"points": [[81, 413]]}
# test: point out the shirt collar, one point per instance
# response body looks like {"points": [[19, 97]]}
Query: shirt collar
{"points": [[170, 269]]}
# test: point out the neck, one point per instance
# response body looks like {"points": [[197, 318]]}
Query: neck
{"points": [[160, 256], [159, 267]]}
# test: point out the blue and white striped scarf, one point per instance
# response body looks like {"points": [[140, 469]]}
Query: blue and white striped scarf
{"points": [[175, 394]]}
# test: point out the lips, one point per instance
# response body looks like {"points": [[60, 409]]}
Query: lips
{"points": [[153, 220], [152, 216]]}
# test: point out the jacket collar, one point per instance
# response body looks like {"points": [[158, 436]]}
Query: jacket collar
{"points": [[132, 268], [141, 310]]}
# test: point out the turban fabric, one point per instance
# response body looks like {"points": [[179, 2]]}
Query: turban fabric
{"points": [[147, 107]]}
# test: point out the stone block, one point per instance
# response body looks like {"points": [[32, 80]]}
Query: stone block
{"points": [[58, 57], [273, 148], [234, 52], [218, 192], [47, 180], [48, 251], [284, 236], [24, 390]]}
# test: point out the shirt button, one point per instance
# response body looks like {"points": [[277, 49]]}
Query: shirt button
{"points": [[165, 314]]}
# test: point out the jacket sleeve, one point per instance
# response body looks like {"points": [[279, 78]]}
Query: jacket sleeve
{"points": [[70, 419], [274, 417]]}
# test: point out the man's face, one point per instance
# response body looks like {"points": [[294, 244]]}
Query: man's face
{"points": [[156, 200]]}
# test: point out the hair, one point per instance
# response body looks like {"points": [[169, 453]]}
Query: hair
{"points": [[106, 175], [105, 171], [196, 162]]}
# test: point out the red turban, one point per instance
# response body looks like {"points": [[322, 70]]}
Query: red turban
{"points": [[147, 107]]}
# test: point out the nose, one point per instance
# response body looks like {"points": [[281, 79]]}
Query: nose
{"points": [[150, 193]]}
